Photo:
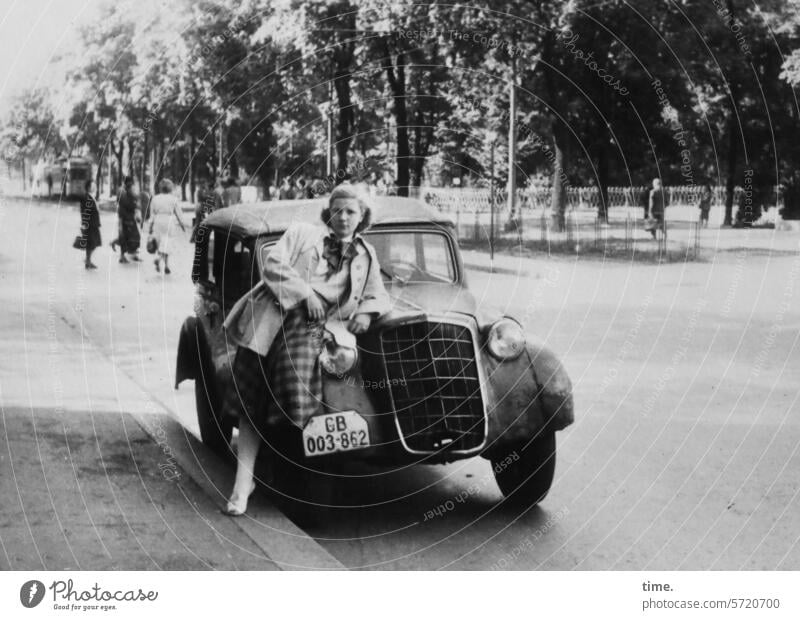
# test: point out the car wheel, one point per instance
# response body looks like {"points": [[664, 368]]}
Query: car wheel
{"points": [[525, 473], [215, 431]]}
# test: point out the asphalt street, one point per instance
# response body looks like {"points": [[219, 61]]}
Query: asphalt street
{"points": [[684, 454]]}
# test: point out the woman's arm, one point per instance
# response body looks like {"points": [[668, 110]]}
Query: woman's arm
{"points": [[279, 274], [177, 212]]}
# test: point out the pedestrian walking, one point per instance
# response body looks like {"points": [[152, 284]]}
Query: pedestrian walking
{"points": [[704, 204], [165, 215], [129, 220], [657, 205], [90, 226]]}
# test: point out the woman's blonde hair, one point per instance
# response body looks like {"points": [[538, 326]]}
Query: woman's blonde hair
{"points": [[347, 191]]}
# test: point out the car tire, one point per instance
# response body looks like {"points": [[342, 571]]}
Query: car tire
{"points": [[215, 430], [526, 479]]}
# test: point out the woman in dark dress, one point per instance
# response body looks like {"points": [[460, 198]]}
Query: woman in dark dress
{"points": [[129, 221], [90, 225]]}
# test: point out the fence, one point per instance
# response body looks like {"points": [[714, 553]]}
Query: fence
{"points": [[583, 232], [472, 200]]}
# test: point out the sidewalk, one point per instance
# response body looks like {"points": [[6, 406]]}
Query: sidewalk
{"points": [[95, 471], [84, 487], [93, 491]]}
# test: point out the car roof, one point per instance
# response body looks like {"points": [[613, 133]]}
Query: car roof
{"points": [[275, 216]]}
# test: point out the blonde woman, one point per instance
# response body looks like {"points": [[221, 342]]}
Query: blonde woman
{"points": [[311, 274], [165, 215]]}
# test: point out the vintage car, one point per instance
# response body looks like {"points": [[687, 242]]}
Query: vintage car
{"points": [[433, 381]]}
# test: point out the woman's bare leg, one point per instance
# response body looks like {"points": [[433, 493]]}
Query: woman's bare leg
{"points": [[248, 446]]}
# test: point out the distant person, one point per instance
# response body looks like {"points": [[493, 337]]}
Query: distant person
{"points": [[90, 225], [704, 204], [644, 202], [129, 220], [208, 201], [232, 193], [302, 190], [657, 205], [286, 191], [165, 214], [318, 187]]}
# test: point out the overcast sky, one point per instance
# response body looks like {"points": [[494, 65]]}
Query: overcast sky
{"points": [[31, 32]]}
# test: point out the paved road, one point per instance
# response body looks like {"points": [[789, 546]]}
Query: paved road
{"points": [[684, 455]]}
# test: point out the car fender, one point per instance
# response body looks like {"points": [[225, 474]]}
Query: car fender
{"points": [[554, 386], [526, 395], [191, 347]]}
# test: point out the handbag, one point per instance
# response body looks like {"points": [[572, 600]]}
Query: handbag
{"points": [[152, 242], [79, 243]]}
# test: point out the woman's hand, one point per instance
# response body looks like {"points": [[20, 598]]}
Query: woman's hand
{"points": [[359, 323], [316, 311]]}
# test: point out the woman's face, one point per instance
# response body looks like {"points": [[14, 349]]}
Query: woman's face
{"points": [[345, 217]]}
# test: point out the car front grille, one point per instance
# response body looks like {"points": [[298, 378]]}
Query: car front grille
{"points": [[435, 387]]}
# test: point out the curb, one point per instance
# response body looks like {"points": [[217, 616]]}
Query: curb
{"points": [[289, 547], [285, 544], [496, 269]]}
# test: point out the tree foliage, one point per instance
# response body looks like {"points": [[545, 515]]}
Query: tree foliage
{"points": [[610, 93]]}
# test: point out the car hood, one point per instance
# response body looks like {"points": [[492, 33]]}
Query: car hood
{"points": [[433, 298]]}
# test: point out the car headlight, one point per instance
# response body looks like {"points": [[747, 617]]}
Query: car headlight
{"points": [[337, 360], [506, 339]]}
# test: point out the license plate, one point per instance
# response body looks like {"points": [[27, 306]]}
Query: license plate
{"points": [[335, 432]]}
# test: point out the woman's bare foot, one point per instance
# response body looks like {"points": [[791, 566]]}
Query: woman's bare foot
{"points": [[237, 505]]}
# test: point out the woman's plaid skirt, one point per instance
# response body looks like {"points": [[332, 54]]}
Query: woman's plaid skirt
{"points": [[286, 384]]}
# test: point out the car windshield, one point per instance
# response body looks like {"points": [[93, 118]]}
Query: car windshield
{"points": [[414, 256], [404, 255]]}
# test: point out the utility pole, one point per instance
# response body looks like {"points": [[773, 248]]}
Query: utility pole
{"points": [[330, 128], [219, 152], [491, 202], [512, 142]]}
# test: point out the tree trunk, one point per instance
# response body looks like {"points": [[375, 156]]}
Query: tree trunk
{"points": [[233, 164], [145, 163], [733, 156], [602, 182], [192, 155], [98, 175], [214, 171], [733, 145], [119, 156], [345, 122], [558, 198], [131, 157], [396, 76]]}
